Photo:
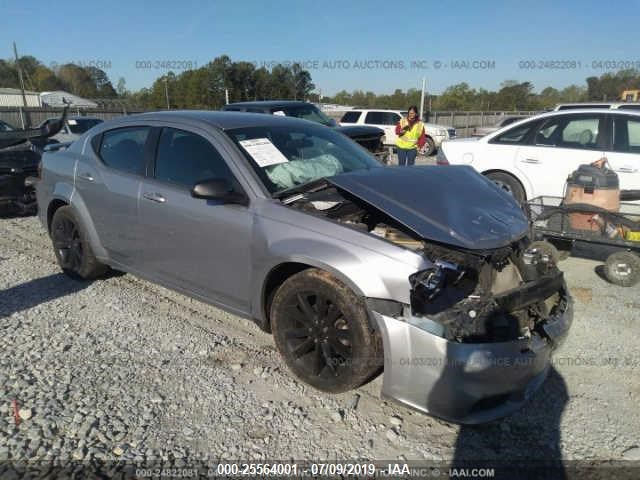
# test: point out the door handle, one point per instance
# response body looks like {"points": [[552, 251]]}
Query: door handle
{"points": [[154, 197], [626, 170], [530, 160], [86, 176]]}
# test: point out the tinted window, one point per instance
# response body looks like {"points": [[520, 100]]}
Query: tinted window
{"points": [[306, 112], [626, 134], [123, 149], [586, 105], [509, 121], [350, 117], [635, 106], [515, 135], [185, 158], [256, 110], [382, 118], [570, 131]]}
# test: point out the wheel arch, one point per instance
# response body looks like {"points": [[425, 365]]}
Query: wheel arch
{"points": [[525, 187], [52, 208], [278, 274]]}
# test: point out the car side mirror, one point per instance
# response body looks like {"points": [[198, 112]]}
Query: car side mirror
{"points": [[218, 189]]}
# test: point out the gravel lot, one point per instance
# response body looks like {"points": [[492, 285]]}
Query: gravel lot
{"points": [[121, 368]]}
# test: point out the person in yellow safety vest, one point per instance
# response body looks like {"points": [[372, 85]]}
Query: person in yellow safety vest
{"points": [[411, 136]]}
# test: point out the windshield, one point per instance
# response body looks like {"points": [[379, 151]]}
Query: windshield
{"points": [[81, 125], [285, 156], [306, 112]]}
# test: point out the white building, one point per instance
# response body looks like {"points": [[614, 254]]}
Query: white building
{"points": [[12, 97], [61, 98]]}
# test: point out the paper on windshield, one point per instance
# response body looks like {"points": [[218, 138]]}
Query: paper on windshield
{"points": [[71, 121], [263, 152], [280, 113]]}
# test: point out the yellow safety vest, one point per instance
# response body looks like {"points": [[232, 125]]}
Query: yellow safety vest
{"points": [[410, 139]]}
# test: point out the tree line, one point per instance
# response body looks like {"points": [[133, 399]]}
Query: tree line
{"points": [[208, 86], [512, 95]]}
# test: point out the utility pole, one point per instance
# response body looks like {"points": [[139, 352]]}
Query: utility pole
{"points": [[166, 91], [226, 96], [24, 97], [424, 82]]}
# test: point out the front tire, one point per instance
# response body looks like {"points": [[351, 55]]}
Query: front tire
{"points": [[322, 331], [71, 246]]}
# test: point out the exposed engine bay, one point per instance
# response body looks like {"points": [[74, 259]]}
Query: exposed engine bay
{"points": [[471, 296]]}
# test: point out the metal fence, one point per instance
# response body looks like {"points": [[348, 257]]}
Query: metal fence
{"points": [[463, 122]]}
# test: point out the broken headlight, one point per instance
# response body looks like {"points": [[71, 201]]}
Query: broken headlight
{"points": [[440, 287]]}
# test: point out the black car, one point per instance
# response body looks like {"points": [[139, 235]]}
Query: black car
{"points": [[20, 154], [369, 137]]}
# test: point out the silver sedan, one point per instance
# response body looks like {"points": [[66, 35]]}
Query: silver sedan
{"points": [[423, 272]]}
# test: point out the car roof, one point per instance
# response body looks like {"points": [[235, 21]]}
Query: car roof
{"points": [[374, 110], [595, 104], [269, 104], [219, 119]]}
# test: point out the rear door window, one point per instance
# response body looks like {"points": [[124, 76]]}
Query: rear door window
{"points": [[123, 149], [382, 118], [580, 132]]}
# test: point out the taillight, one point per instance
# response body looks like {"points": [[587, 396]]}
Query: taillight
{"points": [[441, 158]]}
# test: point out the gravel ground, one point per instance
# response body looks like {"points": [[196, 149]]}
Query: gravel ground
{"points": [[121, 368]]}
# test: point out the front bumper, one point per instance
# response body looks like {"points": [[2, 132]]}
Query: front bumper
{"points": [[466, 383]]}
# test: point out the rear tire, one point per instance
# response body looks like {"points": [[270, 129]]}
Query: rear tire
{"points": [[623, 268], [509, 184], [71, 246], [322, 331]]}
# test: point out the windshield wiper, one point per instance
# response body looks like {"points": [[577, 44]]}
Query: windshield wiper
{"points": [[306, 187]]}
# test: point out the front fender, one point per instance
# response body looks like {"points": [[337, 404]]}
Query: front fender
{"points": [[368, 273]]}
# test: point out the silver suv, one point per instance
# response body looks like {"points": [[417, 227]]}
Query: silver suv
{"points": [[295, 226]]}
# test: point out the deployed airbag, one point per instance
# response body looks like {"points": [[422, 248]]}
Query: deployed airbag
{"points": [[295, 172]]}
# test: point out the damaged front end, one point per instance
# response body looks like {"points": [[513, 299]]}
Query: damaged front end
{"points": [[491, 296], [20, 154], [474, 341]]}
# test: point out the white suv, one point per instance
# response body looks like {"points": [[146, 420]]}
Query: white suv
{"points": [[533, 157], [387, 120]]}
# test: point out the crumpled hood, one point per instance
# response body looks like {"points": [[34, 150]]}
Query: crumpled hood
{"points": [[454, 205]]}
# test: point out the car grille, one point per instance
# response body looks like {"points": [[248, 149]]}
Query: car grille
{"points": [[451, 132]]}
